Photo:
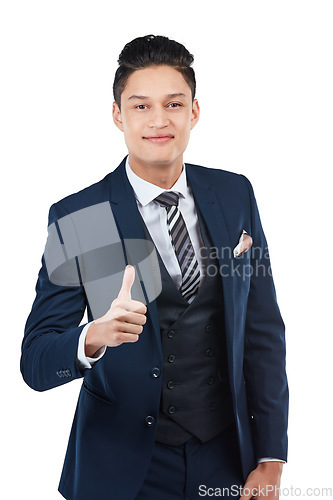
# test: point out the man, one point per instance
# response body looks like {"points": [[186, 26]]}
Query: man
{"points": [[185, 393]]}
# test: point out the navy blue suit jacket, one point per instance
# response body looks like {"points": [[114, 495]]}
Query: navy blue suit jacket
{"points": [[111, 440]]}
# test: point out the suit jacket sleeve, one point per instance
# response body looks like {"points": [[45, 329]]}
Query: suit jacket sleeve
{"points": [[265, 350], [51, 335]]}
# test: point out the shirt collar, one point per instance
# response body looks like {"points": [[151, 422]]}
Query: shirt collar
{"points": [[145, 191]]}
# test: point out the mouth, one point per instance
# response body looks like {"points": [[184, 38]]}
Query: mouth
{"points": [[159, 138]]}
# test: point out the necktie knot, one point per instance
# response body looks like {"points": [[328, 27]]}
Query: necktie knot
{"points": [[167, 199]]}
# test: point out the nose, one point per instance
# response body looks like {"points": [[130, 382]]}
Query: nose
{"points": [[158, 118]]}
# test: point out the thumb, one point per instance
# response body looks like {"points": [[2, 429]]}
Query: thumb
{"points": [[128, 280]]}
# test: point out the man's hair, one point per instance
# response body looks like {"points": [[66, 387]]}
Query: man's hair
{"points": [[148, 51]]}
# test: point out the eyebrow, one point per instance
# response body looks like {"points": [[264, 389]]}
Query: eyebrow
{"points": [[168, 96]]}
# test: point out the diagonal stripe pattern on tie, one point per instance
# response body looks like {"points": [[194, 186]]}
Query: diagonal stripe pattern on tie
{"points": [[182, 244]]}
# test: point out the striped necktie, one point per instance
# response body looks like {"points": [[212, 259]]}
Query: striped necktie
{"points": [[182, 245]]}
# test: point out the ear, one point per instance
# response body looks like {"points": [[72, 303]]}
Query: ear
{"points": [[116, 114], [195, 113]]}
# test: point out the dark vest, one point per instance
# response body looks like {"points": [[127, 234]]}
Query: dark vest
{"points": [[196, 398]]}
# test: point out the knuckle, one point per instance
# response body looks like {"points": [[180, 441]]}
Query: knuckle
{"points": [[118, 337], [115, 302], [115, 323], [120, 316], [121, 303]]}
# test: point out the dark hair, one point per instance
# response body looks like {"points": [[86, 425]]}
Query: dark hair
{"points": [[152, 50]]}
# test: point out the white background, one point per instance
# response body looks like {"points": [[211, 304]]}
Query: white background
{"points": [[264, 83]]}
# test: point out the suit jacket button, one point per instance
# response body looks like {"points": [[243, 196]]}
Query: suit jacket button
{"points": [[156, 372], [171, 410], [150, 421], [171, 334], [171, 358]]}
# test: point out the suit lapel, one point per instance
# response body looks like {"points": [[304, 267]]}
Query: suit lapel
{"points": [[213, 211], [128, 220]]}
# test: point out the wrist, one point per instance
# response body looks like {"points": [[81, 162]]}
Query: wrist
{"points": [[271, 465], [93, 340]]}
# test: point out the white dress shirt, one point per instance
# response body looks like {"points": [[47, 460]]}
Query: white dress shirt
{"points": [[155, 218]]}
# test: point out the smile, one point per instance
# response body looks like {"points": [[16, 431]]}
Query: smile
{"points": [[159, 138]]}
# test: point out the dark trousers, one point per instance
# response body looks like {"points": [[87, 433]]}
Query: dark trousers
{"points": [[195, 470]]}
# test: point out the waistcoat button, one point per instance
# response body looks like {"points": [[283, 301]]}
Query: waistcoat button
{"points": [[209, 328], [171, 410], [171, 384], [171, 358], [212, 406], [171, 334], [210, 380], [209, 352]]}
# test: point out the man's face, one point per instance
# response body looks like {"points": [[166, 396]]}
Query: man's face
{"points": [[157, 115]]}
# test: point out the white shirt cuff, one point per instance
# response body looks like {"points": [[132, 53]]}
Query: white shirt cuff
{"points": [[81, 356], [269, 459]]}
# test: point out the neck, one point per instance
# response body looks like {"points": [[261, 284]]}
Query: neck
{"points": [[163, 175]]}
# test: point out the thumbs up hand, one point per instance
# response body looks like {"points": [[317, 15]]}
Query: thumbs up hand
{"points": [[121, 323]]}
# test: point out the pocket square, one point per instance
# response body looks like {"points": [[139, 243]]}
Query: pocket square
{"points": [[244, 244]]}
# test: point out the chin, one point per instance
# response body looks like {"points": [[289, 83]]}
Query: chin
{"points": [[159, 159], [156, 157], [163, 157]]}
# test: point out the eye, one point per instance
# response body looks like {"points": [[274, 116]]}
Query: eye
{"points": [[141, 106], [174, 105]]}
